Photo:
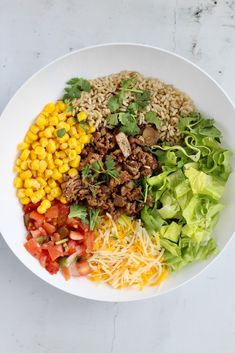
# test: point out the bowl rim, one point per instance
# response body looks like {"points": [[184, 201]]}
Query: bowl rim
{"points": [[121, 44]]}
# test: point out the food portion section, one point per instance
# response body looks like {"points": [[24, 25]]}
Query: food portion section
{"points": [[121, 181]]}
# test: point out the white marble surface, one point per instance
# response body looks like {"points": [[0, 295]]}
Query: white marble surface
{"points": [[34, 317]]}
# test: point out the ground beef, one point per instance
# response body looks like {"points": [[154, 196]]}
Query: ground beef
{"points": [[114, 195]]}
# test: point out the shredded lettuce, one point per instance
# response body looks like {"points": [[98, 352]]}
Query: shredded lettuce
{"points": [[187, 192]]}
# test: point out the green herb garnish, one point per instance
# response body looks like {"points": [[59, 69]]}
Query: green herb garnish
{"points": [[61, 132], [110, 167], [143, 99], [152, 118], [75, 86], [63, 261], [78, 211], [93, 217]]}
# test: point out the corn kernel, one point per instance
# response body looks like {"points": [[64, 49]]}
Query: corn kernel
{"points": [[63, 146], [58, 162], [84, 139], [29, 192], [91, 129], [18, 161], [34, 129], [41, 209], [62, 117], [53, 120], [26, 175], [49, 108], [48, 132], [41, 134], [42, 166], [51, 147], [24, 200], [63, 200], [61, 154], [32, 183], [71, 121], [56, 192], [24, 155], [48, 173], [63, 139], [64, 168], [23, 146], [72, 142], [61, 106], [35, 164], [16, 169], [81, 131], [40, 193], [56, 174], [51, 164], [47, 189], [72, 131], [41, 121], [24, 165], [46, 204], [72, 155], [35, 144], [50, 197], [18, 183], [81, 116], [73, 172], [39, 150], [33, 155], [31, 136], [20, 193], [75, 162], [27, 140], [78, 149], [43, 142], [41, 181]]}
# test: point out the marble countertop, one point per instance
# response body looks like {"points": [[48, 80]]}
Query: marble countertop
{"points": [[196, 318]]}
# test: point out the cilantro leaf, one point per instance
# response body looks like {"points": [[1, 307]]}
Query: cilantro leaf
{"points": [[113, 104], [61, 132], [152, 118], [129, 124], [142, 99], [110, 167], [75, 86], [69, 108], [132, 108], [112, 119], [78, 211], [93, 217], [86, 172], [129, 83]]}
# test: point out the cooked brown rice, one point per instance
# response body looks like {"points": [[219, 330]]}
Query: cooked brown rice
{"points": [[168, 102]]}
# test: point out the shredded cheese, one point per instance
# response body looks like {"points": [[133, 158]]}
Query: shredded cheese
{"points": [[125, 256]]}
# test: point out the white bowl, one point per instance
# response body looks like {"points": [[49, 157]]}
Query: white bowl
{"points": [[47, 85]]}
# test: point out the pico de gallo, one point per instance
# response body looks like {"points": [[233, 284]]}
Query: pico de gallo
{"points": [[58, 241]]}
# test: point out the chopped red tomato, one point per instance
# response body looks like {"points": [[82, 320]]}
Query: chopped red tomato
{"points": [[30, 207], [37, 216], [49, 228], [66, 273], [54, 252], [89, 241], [83, 268], [32, 247], [52, 212], [53, 236], [76, 235]]}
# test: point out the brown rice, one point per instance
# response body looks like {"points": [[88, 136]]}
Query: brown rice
{"points": [[168, 102]]}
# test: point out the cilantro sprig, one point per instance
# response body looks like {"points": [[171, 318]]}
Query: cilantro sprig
{"points": [[75, 86], [87, 216], [92, 171]]}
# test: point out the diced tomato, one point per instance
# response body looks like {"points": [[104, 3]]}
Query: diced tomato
{"points": [[43, 260], [63, 209], [66, 273], [83, 268], [61, 221], [76, 235], [52, 212], [55, 237], [89, 240], [32, 247], [55, 252], [35, 233], [37, 217], [52, 266], [30, 207], [49, 228]]}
